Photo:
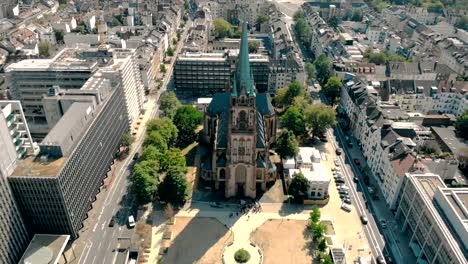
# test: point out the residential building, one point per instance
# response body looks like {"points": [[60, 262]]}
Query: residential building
{"points": [[435, 218], [76, 152], [204, 74], [376, 34], [13, 233], [240, 126]]}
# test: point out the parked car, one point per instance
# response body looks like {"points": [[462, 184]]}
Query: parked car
{"points": [[347, 200], [343, 192], [343, 195], [131, 221], [343, 187], [112, 222], [350, 144], [355, 179], [380, 260], [357, 162], [216, 205], [346, 207], [364, 219], [336, 162], [338, 151], [383, 223], [323, 139], [339, 180], [136, 156]]}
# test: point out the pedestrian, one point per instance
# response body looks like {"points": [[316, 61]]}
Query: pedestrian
{"points": [[248, 217]]}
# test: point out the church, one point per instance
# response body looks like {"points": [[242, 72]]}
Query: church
{"points": [[239, 128]]}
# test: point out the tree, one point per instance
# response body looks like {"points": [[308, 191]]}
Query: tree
{"points": [[334, 22], [348, 14], [165, 127], [301, 101], [279, 97], [378, 58], [299, 14], [155, 139], [173, 188], [145, 180], [294, 89], [318, 230], [357, 15], [178, 35], [174, 42], [461, 125], [303, 31], [293, 120], [319, 117], [286, 144], [162, 68], [169, 104], [187, 119], [253, 46], [170, 52], [310, 71], [322, 245], [314, 215], [44, 48], [59, 36], [323, 67], [332, 88], [262, 19], [150, 152], [298, 188], [462, 23], [127, 139], [172, 160], [222, 28], [327, 259]]}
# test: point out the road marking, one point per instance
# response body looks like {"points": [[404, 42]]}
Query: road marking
{"points": [[94, 259], [99, 245], [102, 226], [84, 249], [89, 249]]}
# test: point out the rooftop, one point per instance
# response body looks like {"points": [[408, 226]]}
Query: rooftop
{"points": [[448, 137], [45, 249], [35, 166]]}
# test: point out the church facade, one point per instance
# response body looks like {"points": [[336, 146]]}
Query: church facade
{"points": [[239, 127]]}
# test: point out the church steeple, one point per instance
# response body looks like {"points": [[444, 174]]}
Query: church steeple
{"points": [[243, 78]]}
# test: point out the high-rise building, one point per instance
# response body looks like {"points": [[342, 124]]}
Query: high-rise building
{"points": [[56, 188], [13, 134], [240, 125], [204, 74]]}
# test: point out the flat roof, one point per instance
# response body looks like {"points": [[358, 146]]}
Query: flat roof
{"points": [[306, 154], [447, 135], [318, 173], [33, 166], [45, 249]]}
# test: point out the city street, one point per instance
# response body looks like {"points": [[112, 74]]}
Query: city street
{"points": [[98, 241]]}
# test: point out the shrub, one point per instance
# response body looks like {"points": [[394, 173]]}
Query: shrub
{"points": [[242, 255]]}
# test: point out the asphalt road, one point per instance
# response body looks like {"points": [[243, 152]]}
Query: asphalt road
{"points": [[102, 240], [377, 243]]}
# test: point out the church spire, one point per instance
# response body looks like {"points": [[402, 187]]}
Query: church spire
{"points": [[244, 79]]}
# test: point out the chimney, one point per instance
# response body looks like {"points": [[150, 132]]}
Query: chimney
{"points": [[435, 65]]}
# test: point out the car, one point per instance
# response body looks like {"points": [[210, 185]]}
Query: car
{"points": [[383, 223], [355, 179], [346, 207], [324, 139], [131, 221], [380, 260], [364, 219], [336, 169], [136, 156], [343, 187], [347, 200], [216, 205], [343, 195], [112, 222], [339, 180], [357, 162], [337, 163], [343, 192], [337, 175], [338, 151]]}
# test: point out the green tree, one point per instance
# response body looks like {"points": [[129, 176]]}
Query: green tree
{"points": [[286, 144], [170, 52], [461, 125], [315, 215], [173, 188], [310, 71], [357, 15], [298, 188], [178, 35], [323, 67], [162, 68], [172, 160], [293, 120], [187, 119], [319, 117], [222, 28], [299, 14], [303, 31], [279, 97], [318, 230], [262, 19], [44, 49], [59, 36], [322, 245], [165, 127], [157, 140], [327, 259], [151, 153], [127, 139], [378, 58], [462, 23], [174, 41], [301, 101], [332, 88], [253, 46], [145, 180], [334, 22], [348, 14], [294, 89], [169, 104]]}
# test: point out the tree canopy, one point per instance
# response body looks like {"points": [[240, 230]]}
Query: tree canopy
{"points": [[285, 96], [293, 120], [44, 48], [310, 71], [319, 117], [286, 144], [169, 104], [222, 28], [172, 160], [332, 88], [381, 58], [462, 23], [298, 188], [173, 188], [187, 119], [461, 125], [127, 139], [323, 67], [145, 180], [253, 46], [156, 140], [303, 31], [165, 127]]}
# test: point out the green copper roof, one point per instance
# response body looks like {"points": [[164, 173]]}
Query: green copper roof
{"points": [[244, 79]]}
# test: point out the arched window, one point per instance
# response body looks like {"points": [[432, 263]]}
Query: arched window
{"points": [[243, 120], [222, 174]]}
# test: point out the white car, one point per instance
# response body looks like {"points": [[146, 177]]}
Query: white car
{"points": [[337, 163], [346, 207], [131, 221]]}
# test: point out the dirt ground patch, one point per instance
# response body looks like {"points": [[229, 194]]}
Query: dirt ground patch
{"points": [[197, 240], [284, 241]]}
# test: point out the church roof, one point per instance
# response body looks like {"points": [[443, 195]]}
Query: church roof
{"points": [[243, 78], [260, 131], [263, 104]]}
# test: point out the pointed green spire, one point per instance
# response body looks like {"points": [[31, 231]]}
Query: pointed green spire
{"points": [[243, 74]]}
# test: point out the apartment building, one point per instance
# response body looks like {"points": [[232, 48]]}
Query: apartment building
{"points": [[13, 233], [76, 152], [435, 217]]}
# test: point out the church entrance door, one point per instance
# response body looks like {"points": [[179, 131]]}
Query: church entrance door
{"points": [[241, 176]]}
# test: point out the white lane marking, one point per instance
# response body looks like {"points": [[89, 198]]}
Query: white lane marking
{"points": [[89, 249], [94, 259]]}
